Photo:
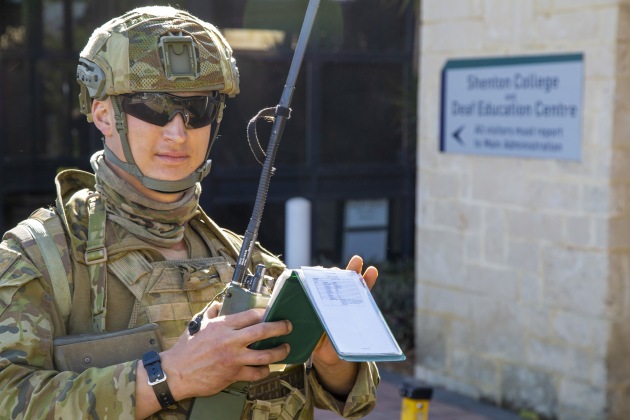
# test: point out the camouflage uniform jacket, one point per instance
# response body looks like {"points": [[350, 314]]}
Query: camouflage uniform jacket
{"points": [[30, 318]]}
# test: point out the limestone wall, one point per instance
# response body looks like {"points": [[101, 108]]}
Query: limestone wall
{"points": [[523, 265]]}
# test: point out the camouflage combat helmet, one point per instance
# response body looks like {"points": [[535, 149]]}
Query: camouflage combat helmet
{"points": [[155, 49]]}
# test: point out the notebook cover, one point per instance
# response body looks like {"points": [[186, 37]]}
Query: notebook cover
{"points": [[293, 304]]}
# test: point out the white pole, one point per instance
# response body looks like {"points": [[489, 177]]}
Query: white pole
{"points": [[297, 248]]}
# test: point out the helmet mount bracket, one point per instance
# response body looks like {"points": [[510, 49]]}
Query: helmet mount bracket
{"points": [[179, 57]]}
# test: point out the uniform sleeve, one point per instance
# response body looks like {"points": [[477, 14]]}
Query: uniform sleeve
{"points": [[360, 401], [29, 385]]}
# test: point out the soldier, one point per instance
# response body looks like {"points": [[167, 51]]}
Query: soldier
{"points": [[129, 245]]}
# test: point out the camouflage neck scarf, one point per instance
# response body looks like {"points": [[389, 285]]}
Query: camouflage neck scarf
{"points": [[160, 224]]}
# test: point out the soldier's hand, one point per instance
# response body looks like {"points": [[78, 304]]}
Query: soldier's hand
{"points": [[217, 355]]}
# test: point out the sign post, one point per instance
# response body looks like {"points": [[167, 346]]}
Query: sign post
{"points": [[517, 106]]}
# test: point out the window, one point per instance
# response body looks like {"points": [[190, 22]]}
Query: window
{"points": [[351, 134]]}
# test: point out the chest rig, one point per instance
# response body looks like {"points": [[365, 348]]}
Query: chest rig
{"points": [[169, 293]]}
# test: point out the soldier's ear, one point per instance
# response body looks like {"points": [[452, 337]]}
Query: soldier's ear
{"points": [[103, 116]]}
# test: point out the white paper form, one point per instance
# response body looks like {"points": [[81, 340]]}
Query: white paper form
{"points": [[349, 314]]}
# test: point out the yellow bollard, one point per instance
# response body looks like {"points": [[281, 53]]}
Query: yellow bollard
{"points": [[415, 402]]}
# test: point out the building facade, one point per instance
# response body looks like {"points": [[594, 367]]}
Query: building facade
{"points": [[523, 263]]}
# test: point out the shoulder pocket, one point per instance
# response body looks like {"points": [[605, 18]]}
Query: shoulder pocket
{"points": [[15, 271], [7, 260], [41, 239]]}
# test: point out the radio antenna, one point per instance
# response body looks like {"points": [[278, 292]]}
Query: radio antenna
{"points": [[281, 115]]}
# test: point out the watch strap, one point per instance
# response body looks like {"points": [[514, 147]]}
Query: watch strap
{"points": [[157, 378]]}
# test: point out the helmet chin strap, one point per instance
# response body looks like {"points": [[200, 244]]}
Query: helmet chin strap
{"points": [[131, 168]]}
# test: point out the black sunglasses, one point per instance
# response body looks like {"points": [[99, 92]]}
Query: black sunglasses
{"points": [[159, 108]]}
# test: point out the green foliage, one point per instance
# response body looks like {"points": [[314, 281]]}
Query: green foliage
{"points": [[394, 294], [528, 415]]}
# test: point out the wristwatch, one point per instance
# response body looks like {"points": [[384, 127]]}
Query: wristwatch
{"points": [[157, 378]]}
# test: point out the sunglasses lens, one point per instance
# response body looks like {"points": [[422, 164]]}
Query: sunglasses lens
{"points": [[160, 108]]}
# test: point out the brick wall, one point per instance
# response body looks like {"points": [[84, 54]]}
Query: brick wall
{"points": [[523, 265]]}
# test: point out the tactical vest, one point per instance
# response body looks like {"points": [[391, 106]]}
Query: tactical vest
{"points": [[168, 293]]}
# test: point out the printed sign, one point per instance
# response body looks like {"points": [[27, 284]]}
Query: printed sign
{"points": [[517, 106]]}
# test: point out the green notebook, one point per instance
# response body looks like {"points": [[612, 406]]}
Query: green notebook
{"points": [[338, 302], [292, 303]]}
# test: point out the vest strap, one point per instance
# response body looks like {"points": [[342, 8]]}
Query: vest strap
{"points": [[95, 258], [54, 264]]}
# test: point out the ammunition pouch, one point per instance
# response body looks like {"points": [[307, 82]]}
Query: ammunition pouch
{"points": [[278, 383], [281, 395], [77, 353]]}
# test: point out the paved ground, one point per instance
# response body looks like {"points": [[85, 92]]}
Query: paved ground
{"points": [[444, 405]]}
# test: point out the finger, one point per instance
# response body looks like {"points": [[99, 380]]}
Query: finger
{"points": [[252, 373], [355, 264], [266, 357], [264, 330], [244, 319], [214, 309], [370, 275]]}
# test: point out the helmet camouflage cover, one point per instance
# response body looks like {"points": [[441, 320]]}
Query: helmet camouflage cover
{"points": [[155, 49]]}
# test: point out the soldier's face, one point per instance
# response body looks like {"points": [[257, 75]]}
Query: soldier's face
{"points": [[167, 153], [170, 152]]}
